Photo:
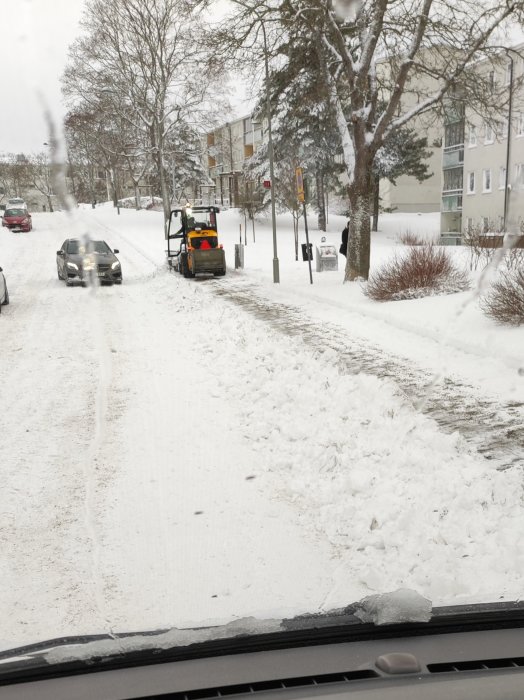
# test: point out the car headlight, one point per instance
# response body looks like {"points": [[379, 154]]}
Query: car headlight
{"points": [[25, 221], [115, 265], [74, 266]]}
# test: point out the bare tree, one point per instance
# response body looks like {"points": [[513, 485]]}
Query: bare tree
{"points": [[147, 60], [14, 174], [40, 175], [385, 62]]}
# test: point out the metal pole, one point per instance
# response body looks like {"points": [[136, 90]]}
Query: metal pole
{"points": [[174, 180], [307, 244], [508, 145], [276, 271]]}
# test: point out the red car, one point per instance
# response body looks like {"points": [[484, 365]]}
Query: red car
{"points": [[17, 220]]}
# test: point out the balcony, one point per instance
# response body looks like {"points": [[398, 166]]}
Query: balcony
{"points": [[453, 157], [452, 200]]}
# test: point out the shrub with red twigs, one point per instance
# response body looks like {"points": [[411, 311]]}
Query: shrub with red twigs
{"points": [[504, 301], [423, 271]]}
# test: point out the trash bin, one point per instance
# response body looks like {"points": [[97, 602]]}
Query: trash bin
{"points": [[327, 257], [304, 251]]}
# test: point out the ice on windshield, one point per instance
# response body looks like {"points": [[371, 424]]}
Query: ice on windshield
{"points": [[167, 640], [402, 605]]}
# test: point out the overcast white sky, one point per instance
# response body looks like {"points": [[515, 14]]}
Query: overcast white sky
{"points": [[35, 38], [33, 49]]}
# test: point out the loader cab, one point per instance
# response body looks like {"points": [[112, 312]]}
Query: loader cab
{"points": [[199, 250]]}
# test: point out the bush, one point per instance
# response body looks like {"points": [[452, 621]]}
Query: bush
{"points": [[411, 239], [505, 300], [423, 271]]}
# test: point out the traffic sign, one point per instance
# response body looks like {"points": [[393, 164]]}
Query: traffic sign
{"points": [[300, 184]]}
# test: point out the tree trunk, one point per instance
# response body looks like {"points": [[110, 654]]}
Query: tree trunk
{"points": [[158, 159], [376, 202], [137, 197], [357, 264], [360, 192], [163, 187], [321, 200], [49, 202]]}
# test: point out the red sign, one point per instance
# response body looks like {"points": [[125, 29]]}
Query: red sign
{"points": [[267, 184]]}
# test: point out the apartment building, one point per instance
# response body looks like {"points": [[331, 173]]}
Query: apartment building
{"points": [[226, 150], [483, 158]]}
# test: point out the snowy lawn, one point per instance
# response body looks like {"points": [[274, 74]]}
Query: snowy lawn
{"points": [[168, 460]]}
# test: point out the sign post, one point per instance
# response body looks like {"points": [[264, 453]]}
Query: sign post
{"points": [[302, 198]]}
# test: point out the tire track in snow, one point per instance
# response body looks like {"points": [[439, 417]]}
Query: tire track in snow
{"points": [[493, 428]]}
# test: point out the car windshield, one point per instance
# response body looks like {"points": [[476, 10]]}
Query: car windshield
{"points": [[318, 399], [76, 247], [99, 247]]}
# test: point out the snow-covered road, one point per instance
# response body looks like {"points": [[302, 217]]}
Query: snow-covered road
{"points": [[169, 459]]}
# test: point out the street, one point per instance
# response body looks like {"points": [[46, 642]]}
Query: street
{"points": [[169, 458]]}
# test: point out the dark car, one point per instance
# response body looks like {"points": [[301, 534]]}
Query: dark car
{"points": [[17, 219], [4, 294], [78, 261]]}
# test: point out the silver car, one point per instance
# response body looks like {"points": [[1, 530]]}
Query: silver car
{"points": [[4, 294]]}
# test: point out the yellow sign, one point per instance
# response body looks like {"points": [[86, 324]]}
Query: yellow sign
{"points": [[300, 184]]}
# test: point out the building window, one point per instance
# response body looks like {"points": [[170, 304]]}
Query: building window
{"points": [[471, 183], [502, 177], [489, 136], [485, 224], [454, 134], [486, 185], [469, 224], [491, 80], [472, 141], [519, 174], [453, 179], [520, 125], [508, 73]]}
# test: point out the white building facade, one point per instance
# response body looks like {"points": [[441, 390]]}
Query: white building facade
{"points": [[483, 159]]}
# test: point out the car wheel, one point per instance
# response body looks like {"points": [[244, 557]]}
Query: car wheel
{"points": [[6, 300], [58, 273]]}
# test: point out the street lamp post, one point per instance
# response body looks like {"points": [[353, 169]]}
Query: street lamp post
{"points": [[276, 270], [508, 144]]}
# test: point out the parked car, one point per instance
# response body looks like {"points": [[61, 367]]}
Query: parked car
{"points": [[16, 203], [18, 219], [77, 262], [4, 294]]}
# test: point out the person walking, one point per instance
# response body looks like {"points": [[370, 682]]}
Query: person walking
{"points": [[344, 245]]}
